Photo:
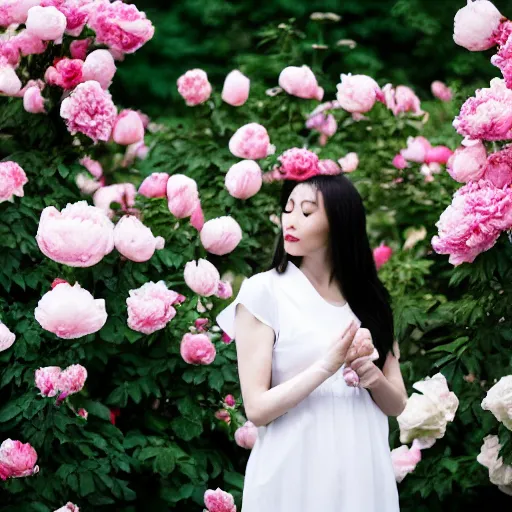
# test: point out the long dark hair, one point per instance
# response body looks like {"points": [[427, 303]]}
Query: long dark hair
{"points": [[352, 259]]}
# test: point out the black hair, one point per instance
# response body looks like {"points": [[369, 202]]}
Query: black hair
{"points": [[352, 259]]}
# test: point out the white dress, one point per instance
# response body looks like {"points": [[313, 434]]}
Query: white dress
{"points": [[331, 452]]}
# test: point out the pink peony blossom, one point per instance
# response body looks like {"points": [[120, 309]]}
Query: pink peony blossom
{"points": [[70, 312], [182, 195], [473, 222], [219, 501], [243, 180], [197, 217], [7, 338], [78, 49], [230, 401], [12, 180], [83, 413], [155, 185], [246, 435], [224, 291], [93, 166], [47, 380], [475, 24], [441, 90], [438, 154], [298, 164], [150, 307], [503, 60], [46, 23], [251, 141], [349, 162], [220, 236], [498, 169], [89, 110], [128, 128], [10, 84], [79, 236], [399, 162], [99, 65], [357, 93], [381, 254], [300, 82], [76, 13], [468, 163], [401, 99], [33, 101], [236, 88], [9, 52], [329, 167], [134, 240], [67, 73], [138, 150], [417, 148], [120, 26], [200, 324], [17, 460], [70, 507], [323, 123], [15, 11], [488, 115], [428, 170], [194, 87], [72, 379], [405, 459], [86, 184], [28, 44], [202, 277], [197, 349], [120, 193], [223, 415]]}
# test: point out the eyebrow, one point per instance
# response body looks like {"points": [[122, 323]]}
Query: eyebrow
{"points": [[305, 201]]}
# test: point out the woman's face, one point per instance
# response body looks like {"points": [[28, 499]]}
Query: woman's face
{"points": [[304, 221]]}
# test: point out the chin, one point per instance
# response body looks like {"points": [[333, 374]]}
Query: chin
{"points": [[292, 249]]}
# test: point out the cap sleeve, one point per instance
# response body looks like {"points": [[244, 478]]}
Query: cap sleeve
{"points": [[257, 296]]}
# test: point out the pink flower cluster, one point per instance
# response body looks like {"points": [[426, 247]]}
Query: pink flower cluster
{"points": [[17, 460], [298, 164], [12, 180], [52, 380], [219, 501], [473, 222]]}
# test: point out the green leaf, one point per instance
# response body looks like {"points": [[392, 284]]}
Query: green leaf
{"points": [[234, 479], [186, 429], [86, 483]]}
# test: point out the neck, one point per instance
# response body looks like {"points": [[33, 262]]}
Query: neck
{"points": [[318, 267]]}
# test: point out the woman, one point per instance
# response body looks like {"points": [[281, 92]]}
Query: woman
{"points": [[322, 445]]}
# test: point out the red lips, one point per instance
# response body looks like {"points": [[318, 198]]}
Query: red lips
{"points": [[290, 238]]}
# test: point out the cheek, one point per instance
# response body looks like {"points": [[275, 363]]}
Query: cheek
{"points": [[316, 235]]}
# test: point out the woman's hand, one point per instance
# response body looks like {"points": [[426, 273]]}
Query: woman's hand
{"points": [[369, 374], [337, 353]]}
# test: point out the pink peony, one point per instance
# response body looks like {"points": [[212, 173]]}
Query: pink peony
{"points": [[417, 148], [70, 312], [12, 180], [150, 307], [99, 65], [236, 88], [230, 401], [381, 254], [70, 507], [89, 110], [401, 99], [246, 435], [10, 84], [349, 162], [224, 291], [197, 349], [223, 415], [220, 236], [47, 380], [323, 123], [243, 180], [75, 11], [120, 26], [405, 459], [67, 73], [7, 338], [503, 60], [438, 154], [251, 141], [399, 162], [83, 413], [46, 23], [197, 217], [219, 501], [155, 185], [357, 93], [498, 169], [33, 101], [120, 193], [138, 150], [128, 128], [72, 379], [134, 240], [79, 236], [17, 460], [182, 195], [475, 24], [473, 222], [329, 167], [15, 11], [194, 87], [441, 90], [200, 324], [298, 164], [28, 44], [488, 115], [93, 166], [78, 49], [468, 163], [9, 53], [202, 277], [300, 82]]}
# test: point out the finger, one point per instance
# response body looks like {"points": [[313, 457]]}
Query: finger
{"points": [[356, 364]]}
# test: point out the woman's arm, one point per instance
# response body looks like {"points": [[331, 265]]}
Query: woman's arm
{"points": [[254, 344]]}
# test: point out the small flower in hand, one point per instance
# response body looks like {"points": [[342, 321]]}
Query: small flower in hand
{"points": [[369, 374]]}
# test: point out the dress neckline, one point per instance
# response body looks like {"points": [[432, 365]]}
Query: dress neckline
{"points": [[314, 290]]}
